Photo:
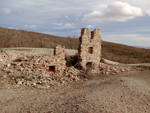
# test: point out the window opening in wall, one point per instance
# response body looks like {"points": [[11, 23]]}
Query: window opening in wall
{"points": [[89, 64], [92, 34], [90, 50], [52, 68]]}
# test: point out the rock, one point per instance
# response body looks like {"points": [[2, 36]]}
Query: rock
{"points": [[1, 59], [4, 76], [19, 82], [28, 83], [8, 65], [34, 84], [122, 80], [107, 73], [113, 73], [13, 78]]}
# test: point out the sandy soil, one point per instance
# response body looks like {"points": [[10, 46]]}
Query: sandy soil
{"points": [[124, 93]]}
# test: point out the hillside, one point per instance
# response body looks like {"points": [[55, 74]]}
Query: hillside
{"points": [[112, 51], [21, 38]]}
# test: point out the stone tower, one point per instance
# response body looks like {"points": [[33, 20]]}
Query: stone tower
{"points": [[89, 49]]}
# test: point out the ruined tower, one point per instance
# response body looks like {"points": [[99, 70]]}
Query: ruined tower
{"points": [[89, 49], [58, 63]]}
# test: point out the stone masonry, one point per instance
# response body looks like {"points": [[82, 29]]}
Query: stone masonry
{"points": [[49, 64], [50, 70], [57, 62], [89, 49]]}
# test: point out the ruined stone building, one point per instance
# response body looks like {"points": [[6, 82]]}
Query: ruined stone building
{"points": [[46, 64], [57, 62], [89, 57], [89, 49]]}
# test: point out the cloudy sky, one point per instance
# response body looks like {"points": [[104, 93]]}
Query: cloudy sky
{"points": [[122, 21]]}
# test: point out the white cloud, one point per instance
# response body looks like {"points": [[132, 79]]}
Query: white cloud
{"points": [[116, 11], [89, 26], [48, 32], [70, 25], [6, 10], [128, 39], [77, 15], [102, 5], [148, 12], [51, 15], [66, 26], [11, 28], [67, 17], [58, 24], [30, 26]]}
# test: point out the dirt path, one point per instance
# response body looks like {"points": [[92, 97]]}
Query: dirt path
{"points": [[121, 64], [123, 93], [36, 51]]}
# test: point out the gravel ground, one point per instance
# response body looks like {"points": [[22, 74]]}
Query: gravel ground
{"points": [[124, 93], [127, 92]]}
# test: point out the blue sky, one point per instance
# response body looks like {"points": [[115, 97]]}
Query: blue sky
{"points": [[123, 21]]}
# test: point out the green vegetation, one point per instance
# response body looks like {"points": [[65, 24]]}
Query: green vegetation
{"points": [[112, 51]]}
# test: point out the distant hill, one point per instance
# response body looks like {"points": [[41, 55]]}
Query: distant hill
{"points": [[111, 51]]}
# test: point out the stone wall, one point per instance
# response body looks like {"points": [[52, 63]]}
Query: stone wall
{"points": [[46, 64], [89, 49], [89, 57]]}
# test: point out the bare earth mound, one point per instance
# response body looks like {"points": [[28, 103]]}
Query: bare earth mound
{"points": [[124, 93]]}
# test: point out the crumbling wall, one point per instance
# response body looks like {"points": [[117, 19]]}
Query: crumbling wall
{"points": [[89, 49], [59, 60], [46, 64]]}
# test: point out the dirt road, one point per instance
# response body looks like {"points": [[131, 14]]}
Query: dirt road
{"points": [[124, 93]]}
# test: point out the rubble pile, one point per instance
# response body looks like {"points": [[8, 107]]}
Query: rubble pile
{"points": [[6, 57], [51, 70], [113, 69], [106, 69], [35, 78], [46, 64], [37, 64], [34, 70], [72, 73]]}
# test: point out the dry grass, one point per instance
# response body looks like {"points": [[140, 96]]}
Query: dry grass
{"points": [[125, 54], [111, 51], [21, 38]]}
